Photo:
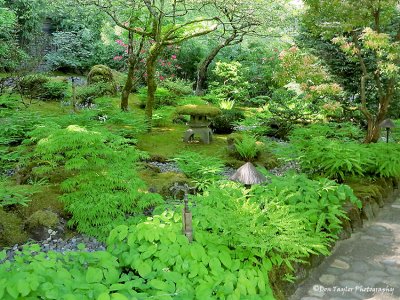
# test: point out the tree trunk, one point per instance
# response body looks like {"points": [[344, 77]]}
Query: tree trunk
{"points": [[151, 83], [203, 67], [128, 85]]}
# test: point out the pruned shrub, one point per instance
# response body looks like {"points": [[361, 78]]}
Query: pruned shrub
{"points": [[163, 97], [225, 122]]}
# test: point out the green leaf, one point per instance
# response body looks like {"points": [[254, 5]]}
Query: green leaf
{"points": [[225, 258], [158, 284], [144, 269], [104, 296], [118, 296], [23, 288], [94, 275], [12, 291]]}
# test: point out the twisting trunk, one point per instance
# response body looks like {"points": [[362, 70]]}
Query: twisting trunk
{"points": [[205, 63], [133, 61], [128, 86], [202, 70]]}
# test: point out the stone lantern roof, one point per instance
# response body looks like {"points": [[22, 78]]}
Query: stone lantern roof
{"points": [[248, 175]]}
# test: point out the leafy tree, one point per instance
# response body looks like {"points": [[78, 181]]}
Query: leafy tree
{"points": [[239, 19], [164, 23], [10, 53], [362, 29]]}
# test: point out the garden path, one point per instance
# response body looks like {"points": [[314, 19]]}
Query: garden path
{"points": [[365, 266]]}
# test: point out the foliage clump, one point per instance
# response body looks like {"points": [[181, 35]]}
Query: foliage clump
{"points": [[104, 190], [198, 110]]}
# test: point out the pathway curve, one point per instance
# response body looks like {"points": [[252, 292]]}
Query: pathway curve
{"points": [[365, 266]]}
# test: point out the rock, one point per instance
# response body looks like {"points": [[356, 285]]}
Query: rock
{"points": [[340, 264], [359, 267], [375, 274], [353, 276], [317, 291], [327, 279], [389, 262], [395, 271]]}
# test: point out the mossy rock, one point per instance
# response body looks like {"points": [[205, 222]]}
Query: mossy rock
{"points": [[101, 73], [11, 229], [198, 110], [40, 222], [44, 218], [161, 183]]}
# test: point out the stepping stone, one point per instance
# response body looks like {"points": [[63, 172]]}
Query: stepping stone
{"points": [[317, 291], [334, 271], [340, 264], [310, 298], [372, 281], [327, 279], [396, 205], [353, 276], [389, 262], [359, 267], [349, 284], [393, 271], [367, 237], [376, 274]]}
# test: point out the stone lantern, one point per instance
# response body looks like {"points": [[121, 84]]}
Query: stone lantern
{"points": [[199, 123]]}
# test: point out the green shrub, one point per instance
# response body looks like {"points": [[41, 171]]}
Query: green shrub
{"points": [[31, 85], [104, 190], [54, 90], [253, 223], [258, 101], [203, 170], [163, 262], [163, 97], [87, 94], [15, 127], [13, 194], [336, 159], [247, 147], [385, 160], [341, 131], [39, 86], [225, 122], [39, 275], [320, 201], [179, 87]]}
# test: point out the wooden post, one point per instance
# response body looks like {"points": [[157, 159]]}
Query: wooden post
{"points": [[187, 228], [73, 98]]}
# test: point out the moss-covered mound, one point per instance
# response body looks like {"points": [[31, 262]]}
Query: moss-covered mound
{"points": [[100, 73], [198, 110]]}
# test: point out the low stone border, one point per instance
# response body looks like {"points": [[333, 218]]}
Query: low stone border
{"points": [[371, 206]]}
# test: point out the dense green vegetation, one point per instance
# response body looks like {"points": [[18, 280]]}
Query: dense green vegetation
{"points": [[94, 101]]}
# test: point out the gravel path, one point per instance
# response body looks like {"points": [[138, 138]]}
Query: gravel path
{"points": [[365, 266], [61, 245]]}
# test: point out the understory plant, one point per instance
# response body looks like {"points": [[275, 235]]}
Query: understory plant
{"points": [[102, 189], [202, 169], [319, 201], [339, 159]]}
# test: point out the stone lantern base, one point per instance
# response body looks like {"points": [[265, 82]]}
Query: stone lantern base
{"points": [[204, 133]]}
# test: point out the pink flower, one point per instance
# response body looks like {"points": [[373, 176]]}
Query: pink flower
{"points": [[173, 56], [162, 77]]}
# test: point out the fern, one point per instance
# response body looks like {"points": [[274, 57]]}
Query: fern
{"points": [[105, 189]]}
